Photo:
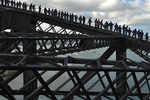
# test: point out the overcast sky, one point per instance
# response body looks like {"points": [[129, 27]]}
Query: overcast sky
{"points": [[135, 13]]}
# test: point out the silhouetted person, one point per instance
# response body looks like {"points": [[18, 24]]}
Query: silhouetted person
{"points": [[84, 19], [45, 11], [119, 29], [106, 25], [55, 12], [12, 3], [80, 19], [123, 29], [49, 11], [6, 2], [52, 12], [90, 21], [129, 31], [30, 7], [59, 13], [116, 28], [111, 25], [19, 4], [142, 34], [139, 34], [76, 18], [101, 24], [70, 16], [126, 28], [67, 16], [33, 7], [40, 9], [23, 6], [2, 2], [62, 14], [146, 36], [96, 23], [134, 33]]}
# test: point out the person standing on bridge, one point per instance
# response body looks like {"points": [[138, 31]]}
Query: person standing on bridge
{"points": [[30, 7], [2, 2], [119, 29], [134, 33], [98, 23], [55, 12], [62, 15], [58, 15], [67, 16], [76, 18], [90, 21], [106, 25], [6, 2], [146, 36], [80, 19], [101, 24], [33, 7], [45, 11], [40, 9], [111, 25], [19, 4], [12, 3], [116, 28], [84, 19], [129, 31], [49, 11], [124, 29]]}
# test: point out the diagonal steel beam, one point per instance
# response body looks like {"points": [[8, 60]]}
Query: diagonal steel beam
{"points": [[49, 81], [112, 85], [137, 85], [81, 85], [45, 86], [84, 79], [107, 54], [7, 90]]}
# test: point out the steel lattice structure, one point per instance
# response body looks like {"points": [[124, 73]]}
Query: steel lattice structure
{"points": [[31, 51]]}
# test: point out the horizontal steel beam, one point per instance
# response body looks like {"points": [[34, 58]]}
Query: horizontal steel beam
{"points": [[69, 68]]}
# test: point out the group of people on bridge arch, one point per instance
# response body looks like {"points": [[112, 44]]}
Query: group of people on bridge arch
{"points": [[73, 18]]}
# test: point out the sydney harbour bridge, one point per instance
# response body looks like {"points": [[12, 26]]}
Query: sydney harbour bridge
{"points": [[29, 50]]}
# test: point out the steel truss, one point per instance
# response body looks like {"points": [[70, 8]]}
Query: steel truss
{"points": [[31, 52]]}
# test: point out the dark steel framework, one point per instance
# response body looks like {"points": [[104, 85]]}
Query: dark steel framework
{"points": [[31, 50]]}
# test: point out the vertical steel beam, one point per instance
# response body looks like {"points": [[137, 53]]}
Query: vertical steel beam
{"points": [[120, 53]]}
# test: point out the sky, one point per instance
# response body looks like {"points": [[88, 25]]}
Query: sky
{"points": [[135, 13]]}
